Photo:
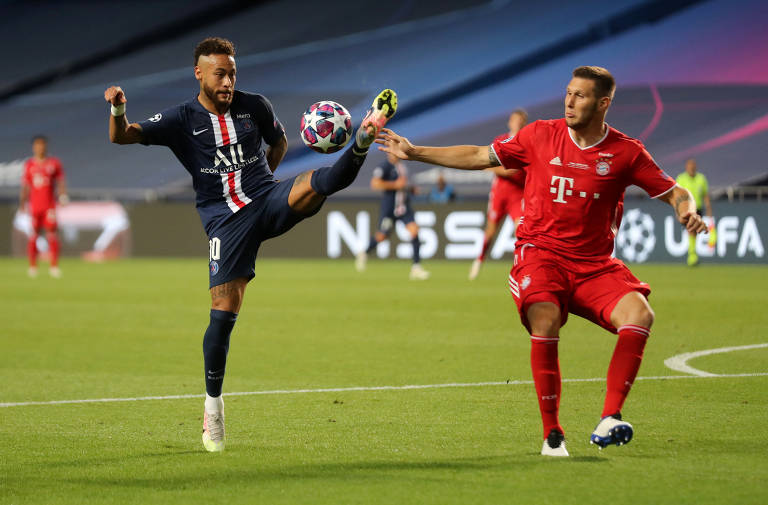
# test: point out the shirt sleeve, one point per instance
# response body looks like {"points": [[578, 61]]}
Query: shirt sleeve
{"points": [[59, 173], [378, 173], [704, 185], [649, 176], [515, 152], [269, 125], [162, 129]]}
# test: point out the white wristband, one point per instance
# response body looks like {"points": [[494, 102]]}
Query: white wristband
{"points": [[119, 110]]}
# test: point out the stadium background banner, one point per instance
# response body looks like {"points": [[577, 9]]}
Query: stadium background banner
{"points": [[649, 233]]}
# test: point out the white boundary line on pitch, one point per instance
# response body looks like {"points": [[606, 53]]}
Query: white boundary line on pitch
{"points": [[679, 363], [358, 388]]}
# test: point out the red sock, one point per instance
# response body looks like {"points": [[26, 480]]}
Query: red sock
{"points": [[53, 244], [546, 377], [32, 250], [484, 251], [624, 366]]}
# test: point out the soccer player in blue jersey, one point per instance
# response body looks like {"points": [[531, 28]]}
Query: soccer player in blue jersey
{"points": [[231, 142], [391, 178]]}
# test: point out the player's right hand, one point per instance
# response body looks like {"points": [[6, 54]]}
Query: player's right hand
{"points": [[394, 144], [115, 95]]}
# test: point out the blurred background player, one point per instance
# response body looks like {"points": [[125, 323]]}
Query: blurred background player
{"points": [[41, 181], [577, 170], [442, 192], [506, 196], [392, 179], [697, 184]]}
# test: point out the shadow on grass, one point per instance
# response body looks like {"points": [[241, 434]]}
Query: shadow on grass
{"points": [[197, 472]]}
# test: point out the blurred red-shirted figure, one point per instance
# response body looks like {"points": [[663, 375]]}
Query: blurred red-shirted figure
{"points": [[506, 196], [42, 179]]}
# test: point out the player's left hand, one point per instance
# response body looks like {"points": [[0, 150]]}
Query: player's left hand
{"points": [[693, 222], [394, 144]]}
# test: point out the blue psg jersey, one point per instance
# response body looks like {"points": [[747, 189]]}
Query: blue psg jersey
{"points": [[397, 201], [224, 154]]}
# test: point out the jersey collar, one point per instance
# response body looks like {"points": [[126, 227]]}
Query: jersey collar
{"points": [[607, 130]]}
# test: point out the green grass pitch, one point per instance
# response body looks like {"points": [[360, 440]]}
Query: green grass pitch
{"points": [[134, 328]]}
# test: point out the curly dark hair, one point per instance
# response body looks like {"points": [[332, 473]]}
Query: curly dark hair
{"points": [[214, 45]]}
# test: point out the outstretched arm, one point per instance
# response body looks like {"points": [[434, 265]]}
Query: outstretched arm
{"points": [[23, 196], [685, 209], [120, 131], [461, 157]]}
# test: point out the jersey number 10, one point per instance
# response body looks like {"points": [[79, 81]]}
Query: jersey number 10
{"points": [[214, 249]]}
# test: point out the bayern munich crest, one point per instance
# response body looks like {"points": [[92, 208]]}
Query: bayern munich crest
{"points": [[214, 268], [603, 168], [526, 282]]}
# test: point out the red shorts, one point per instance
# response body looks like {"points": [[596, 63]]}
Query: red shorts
{"points": [[590, 289], [44, 218], [504, 202]]}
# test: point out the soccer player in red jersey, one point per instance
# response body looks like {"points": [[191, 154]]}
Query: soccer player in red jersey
{"points": [[576, 170], [506, 196], [42, 178]]}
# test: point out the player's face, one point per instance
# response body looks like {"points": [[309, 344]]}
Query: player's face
{"points": [[217, 74], [690, 167], [581, 104], [39, 148]]}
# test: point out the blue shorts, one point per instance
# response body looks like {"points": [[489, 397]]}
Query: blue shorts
{"points": [[387, 218], [235, 243]]}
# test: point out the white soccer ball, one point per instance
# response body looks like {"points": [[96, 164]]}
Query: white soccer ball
{"points": [[326, 127]]}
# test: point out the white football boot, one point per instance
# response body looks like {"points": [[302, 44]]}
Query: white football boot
{"points": [[474, 271], [554, 445], [611, 430], [361, 260], [55, 272], [213, 429], [418, 273]]}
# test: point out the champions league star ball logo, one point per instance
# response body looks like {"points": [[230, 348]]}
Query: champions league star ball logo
{"points": [[636, 240], [214, 268]]}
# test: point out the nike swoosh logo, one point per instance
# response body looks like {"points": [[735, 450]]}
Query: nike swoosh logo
{"points": [[195, 132]]}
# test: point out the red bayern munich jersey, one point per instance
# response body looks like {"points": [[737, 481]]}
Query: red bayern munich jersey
{"points": [[574, 197], [511, 186], [40, 175]]}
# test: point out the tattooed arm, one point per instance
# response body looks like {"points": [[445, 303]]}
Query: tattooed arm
{"points": [[685, 208], [276, 152]]}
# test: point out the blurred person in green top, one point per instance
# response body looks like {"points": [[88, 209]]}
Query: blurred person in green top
{"points": [[697, 184]]}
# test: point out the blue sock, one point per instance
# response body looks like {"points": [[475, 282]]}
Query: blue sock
{"points": [[416, 244], [328, 180], [215, 348], [371, 245]]}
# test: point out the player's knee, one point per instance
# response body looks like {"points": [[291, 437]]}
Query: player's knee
{"points": [[645, 316], [544, 319]]}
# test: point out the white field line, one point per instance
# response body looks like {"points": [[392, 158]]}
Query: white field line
{"points": [[357, 388], [679, 363]]}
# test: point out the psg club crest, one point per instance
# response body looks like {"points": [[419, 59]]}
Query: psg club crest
{"points": [[247, 125], [214, 268], [603, 168]]}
